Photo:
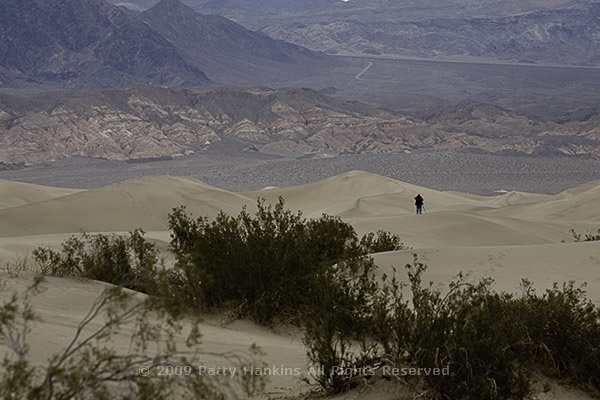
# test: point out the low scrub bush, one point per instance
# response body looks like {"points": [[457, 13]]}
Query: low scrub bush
{"points": [[132, 262], [337, 324], [483, 344], [262, 265], [567, 326]]}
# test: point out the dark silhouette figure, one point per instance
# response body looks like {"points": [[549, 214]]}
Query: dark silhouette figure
{"points": [[419, 203]]}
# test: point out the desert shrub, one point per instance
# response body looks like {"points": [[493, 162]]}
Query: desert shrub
{"points": [[380, 242], [89, 367], [131, 262], [330, 240], [393, 321], [484, 345], [587, 237], [478, 335], [337, 324], [262, 265], [567, 325], [363, 326]]}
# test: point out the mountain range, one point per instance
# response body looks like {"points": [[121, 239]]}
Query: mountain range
{"points": [[92, 44], [558, 32], [145, 122], [225, 50], [372, 9], [152, 55], [559, 36]]}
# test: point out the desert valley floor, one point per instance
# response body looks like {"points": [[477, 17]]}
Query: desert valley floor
{"points": [[507, 237]]}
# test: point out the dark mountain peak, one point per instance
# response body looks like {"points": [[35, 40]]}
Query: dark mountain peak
{"points": [[170, 7], [94, 44], [87, 43], [179, 16], [216, 36]]}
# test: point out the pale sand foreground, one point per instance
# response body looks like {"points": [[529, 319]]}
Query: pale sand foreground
{"points": [[509, 237]]}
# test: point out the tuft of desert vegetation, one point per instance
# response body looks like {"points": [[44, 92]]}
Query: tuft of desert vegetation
{"points": [[130, 262], [585, 237]]}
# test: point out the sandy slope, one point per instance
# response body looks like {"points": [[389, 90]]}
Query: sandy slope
{"points": [[64, 302], [139, 203], [371, 202], [542, 264], [361, 193], [16, 194], [507, 237]]}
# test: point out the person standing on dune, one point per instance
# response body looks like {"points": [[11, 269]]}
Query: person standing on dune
{"points": [[419, 203]]}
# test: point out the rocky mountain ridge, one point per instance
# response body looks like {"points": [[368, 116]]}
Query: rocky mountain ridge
{"points": [[568, 35], [228, 52], [142, 122], [409, 10], [86, 44], [546, 32]]}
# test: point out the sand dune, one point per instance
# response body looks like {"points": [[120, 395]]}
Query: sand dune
{"points": [[450, 229], [507, 237], [16, 193], [507, 265], [64, 302], [580, 206], [371, 202], [139, 203], [358, 192], [577, 204]]}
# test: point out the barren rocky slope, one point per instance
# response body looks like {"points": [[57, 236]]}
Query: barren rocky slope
{"points": [[226, 51], [89, 44], [85, 43], [562, 36], [529, 31], [152, 122]]}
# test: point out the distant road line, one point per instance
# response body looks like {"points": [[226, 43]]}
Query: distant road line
{"points": [[471, 61], [365, 69]]}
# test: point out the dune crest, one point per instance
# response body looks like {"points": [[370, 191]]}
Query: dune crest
{"points": [[137, 203], [15, 194]]}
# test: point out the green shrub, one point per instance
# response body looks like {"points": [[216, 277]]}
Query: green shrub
{"points": [[131, 262], [490, 344], [262, 265], [567, 325], [337, 324], [380, 242], [479, 336]]}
